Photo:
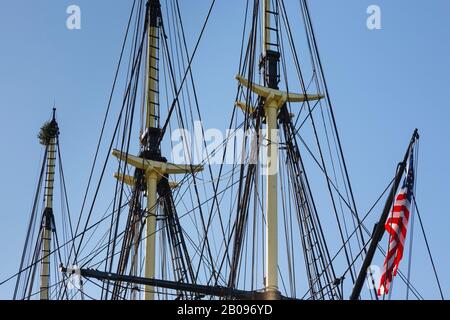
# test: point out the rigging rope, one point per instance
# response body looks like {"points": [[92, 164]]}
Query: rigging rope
{"points": [[428, 249]]}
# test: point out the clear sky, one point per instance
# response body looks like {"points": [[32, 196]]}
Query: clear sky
{"points": [[384, 83]]}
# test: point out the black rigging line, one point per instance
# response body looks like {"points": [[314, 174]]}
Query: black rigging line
{"points": [[244, 189], [345, 202], [242, 67], [59, 256], [413, 220], [123, 183], [181, 217], [316, 51], [174, 103], [97, 226], [142, 239], [331, 110], [428, 248], [182, 41], [325, 170], [176, 100], [200, 118], [330, 191], [408, 284], [105, 121], [294, 153], [32, 271], [65, 198], [32, 294], [63, 183], [38, 260], [30, 225], [129, 117], [134, 42], [136, 65], [205, 242]]}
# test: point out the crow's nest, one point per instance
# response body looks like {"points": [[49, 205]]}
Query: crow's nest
{"points": [[48, 131]]}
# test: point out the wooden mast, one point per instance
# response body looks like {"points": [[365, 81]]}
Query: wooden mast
{"points": [[150, 161], [273, 100], [48, 135]]}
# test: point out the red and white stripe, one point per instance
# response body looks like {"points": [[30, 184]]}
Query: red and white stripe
{"points": [[396, 226]]}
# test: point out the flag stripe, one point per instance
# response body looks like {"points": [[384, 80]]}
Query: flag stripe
{"points": [[397, 226]]}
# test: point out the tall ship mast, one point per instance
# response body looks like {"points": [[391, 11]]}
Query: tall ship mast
{"points": [[38, 272], [266, 213]]}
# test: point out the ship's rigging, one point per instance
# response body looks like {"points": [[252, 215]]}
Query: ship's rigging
{"points": [[38, 272], [230, 231]]}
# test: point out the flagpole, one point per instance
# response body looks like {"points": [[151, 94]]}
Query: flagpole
{"points": [[379, 229]]}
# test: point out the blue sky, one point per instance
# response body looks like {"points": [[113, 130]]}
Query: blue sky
{"points": [[384, 83]]}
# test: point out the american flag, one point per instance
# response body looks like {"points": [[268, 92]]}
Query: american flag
{"points": [[396, 226]]}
